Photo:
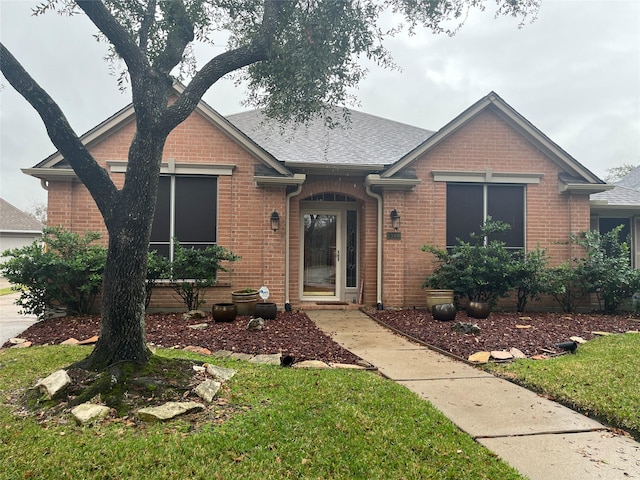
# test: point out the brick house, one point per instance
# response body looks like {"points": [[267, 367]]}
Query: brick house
{"points": [[328, 216]]}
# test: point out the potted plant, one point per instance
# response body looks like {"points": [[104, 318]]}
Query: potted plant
{"points": [[245, 300]]}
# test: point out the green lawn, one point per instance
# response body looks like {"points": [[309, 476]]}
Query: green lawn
{"points": [[601, 379], [6, 291], [287, 423]]}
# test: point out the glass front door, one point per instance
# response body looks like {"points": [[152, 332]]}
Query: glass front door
{"points": [[321, 269]]}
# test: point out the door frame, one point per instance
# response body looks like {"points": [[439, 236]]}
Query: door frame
{"points": [[339, 256]]}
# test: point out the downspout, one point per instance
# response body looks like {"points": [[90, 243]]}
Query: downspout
{"points": [[379, 305], [287, 305]]}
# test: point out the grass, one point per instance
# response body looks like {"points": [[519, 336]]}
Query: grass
{"points": [[6, 291], [284, 423], [601, 379]]}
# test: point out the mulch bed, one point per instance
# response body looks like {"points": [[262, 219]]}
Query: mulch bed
{"points": [[532, 333], [294, 334], [289, 333]]}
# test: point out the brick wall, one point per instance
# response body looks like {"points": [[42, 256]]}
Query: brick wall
{"points": [[486, 142]]}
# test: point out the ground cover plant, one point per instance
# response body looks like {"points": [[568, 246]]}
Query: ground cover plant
{"points": [[601, 380], [268, 422]]}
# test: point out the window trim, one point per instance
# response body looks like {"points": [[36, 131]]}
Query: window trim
{"points": [[171, 168], [487, 176]]}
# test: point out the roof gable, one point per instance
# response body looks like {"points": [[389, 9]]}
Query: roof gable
{"points": [[127, 115], [497, 105]]}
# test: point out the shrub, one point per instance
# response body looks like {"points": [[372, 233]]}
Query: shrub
{"points": [[66, 273], [158, 268], [195, 269], [529, 276], [606, 269], [480, 270]]}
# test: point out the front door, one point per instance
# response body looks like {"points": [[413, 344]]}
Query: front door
{"points": [[322, 256]]}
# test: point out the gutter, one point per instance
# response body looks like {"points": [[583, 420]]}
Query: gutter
{"points": [[287, 260], [379, 305]]}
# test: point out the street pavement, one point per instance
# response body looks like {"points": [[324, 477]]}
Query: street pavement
{"points": [[11, 322], [539, 438]]}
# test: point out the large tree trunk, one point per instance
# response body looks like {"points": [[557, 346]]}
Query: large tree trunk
{"points": [[122, 330]]}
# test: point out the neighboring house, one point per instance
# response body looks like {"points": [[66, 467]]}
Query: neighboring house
{"points": [[17, 228], [620, 206], [353, 204]]}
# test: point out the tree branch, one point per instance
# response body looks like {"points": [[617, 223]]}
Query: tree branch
{"points": [[258, 50], [133, 56], [94, 177], [145, 25], [179, 36]]}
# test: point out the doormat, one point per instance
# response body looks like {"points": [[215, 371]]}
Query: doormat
{"points": [[332, 303]]}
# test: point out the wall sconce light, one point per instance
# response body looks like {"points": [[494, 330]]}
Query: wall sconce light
{"points": [[395, 219], [275, 221]]}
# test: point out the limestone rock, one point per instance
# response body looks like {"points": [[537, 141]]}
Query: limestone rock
{"points": [[255, 324], [17, 341], [346, 366], [199, 368], [542, 356], [54, 383], [200, 350], [191, 314], [602, 334], [71, 341], [517, 353], [463, 327], [311, 364], [207, 390], [501, 355], [577, 339], [222, 354], [267, 359], [199, 326], [241, 356], [168, 411], [89, 341], [89, 412], [22, 345], [480, 357], [220, 373], [523, 327]]}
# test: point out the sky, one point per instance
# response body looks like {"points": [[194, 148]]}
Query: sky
{"points": [[574, 73]]}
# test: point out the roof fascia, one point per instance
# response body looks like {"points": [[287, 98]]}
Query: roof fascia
{"points": [[127, 115], [437, 137], [52, 174], [375, 180], [513, 118], [269, 181], [584, 188]]}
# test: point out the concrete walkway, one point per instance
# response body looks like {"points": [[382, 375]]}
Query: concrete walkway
{"points": [[538, 437]]}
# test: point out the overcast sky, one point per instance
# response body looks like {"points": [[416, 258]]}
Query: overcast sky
{"points": [[574, 73]]}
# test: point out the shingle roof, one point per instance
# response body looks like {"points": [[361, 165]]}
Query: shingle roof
{"points": [[13, 219], [363, 140], [620, 196], [631, 179]]}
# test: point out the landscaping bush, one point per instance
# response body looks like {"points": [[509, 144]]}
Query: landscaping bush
{"points": [[479, 270], [606, 269], [196, 269], [530, 279], [66, 273]]}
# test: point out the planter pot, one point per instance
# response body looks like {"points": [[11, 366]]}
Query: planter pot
{"points": [[245, 301], [224, 312], [478, 309], [438, 296], [266, 310], [444, 312]]}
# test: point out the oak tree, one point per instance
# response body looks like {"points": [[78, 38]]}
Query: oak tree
{"points": [[297, 56]]}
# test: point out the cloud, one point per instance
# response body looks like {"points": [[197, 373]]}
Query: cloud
{"points": [[574, 73]]}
